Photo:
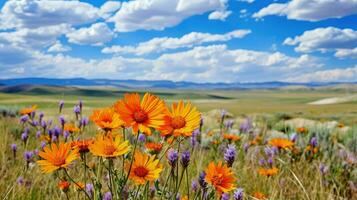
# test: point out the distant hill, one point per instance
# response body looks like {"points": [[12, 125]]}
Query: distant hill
{"points": [[132, 84]]}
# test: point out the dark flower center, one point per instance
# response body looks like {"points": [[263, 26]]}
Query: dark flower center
{"points": [[178, 122], [140, 116], [141, 171]]}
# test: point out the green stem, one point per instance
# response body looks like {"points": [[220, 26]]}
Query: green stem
{"points": [[167, 180], [137, 191], [187, 184], [71, 179], [131, 163]]}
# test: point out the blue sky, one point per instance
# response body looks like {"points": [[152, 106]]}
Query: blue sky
{"points": [[180, 40]]}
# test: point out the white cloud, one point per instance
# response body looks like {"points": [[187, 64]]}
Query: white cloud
{"points": [[165, 43], [35, 14], [310, 10], [247, 1], [330, 75], [59, 47], [215, 63], [343, 53], [96, 34], [108, 8], [325, 39], [34, 38], [160, 14], [219, 15]]}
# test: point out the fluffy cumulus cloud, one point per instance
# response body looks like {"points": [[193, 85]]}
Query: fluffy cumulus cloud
{"points": [[165, 43], [310, 10], [160, 14], [206, 64], [96, 34], [108, 8], [59, 47], [35, 14], [219, 15], [346, 53], [330, 75], [326, 39]]}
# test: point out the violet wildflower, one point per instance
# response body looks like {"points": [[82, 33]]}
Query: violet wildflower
{"points": [[294, 137], [14, 149], [238, 194], [38, 134], [66, 134], [60, 106], [323, 169], [77, 110], [44, 124], [90, 189], [20, 180], [172, 156], [185, 159], [28, 155], [24, 118], [107, 196], [230, 155], [43, 144], [84, 122], [178, 197], [40, 117], [80, 104], [313, 142], [142, 137], [270, 161], [229, 124], [62, 120], [246, 147], [33, 114], [194, 185], [24, 136], [261, 161], [246, 125], [202, 181], [36, 151], [225, 196], [57, 131]]}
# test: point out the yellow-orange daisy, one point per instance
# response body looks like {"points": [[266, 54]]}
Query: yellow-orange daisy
{"points": [[182, 120], [259, 195], [106, 119], [301, 130], [141, 115], [71, 128], [231, 137], [145, 168], [268, 172], [29, 110], [154, 147], [281, 143], [57, 157], [220, 177], [109, 146], [82, 145]]}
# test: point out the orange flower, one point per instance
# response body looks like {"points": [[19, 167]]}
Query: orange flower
{"points": [[82, 145], [64, 185], [57, 157], [79, 186], [145, 168], [301, 130], [256, 140], [141, 116], [154, 147], [29, 110], [106, 119], [215, 142], [170, 140], [181, 121], [71, 128], [268, 172], [259, 195], [281, 143], [340, 125], [109, 146], [314, 150], [231, 137], [220, 177]]}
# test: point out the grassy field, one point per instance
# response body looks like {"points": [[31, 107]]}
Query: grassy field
{"points": [[299, 172]]}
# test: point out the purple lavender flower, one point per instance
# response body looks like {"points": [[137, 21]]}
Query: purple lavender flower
{"points": [[66, 134], [24, 137], [40, 117], [28, 155], [323, 169], [107, 196], [185, 159], [44, 124], [201, 180], [36, 151], [270, 152], [194, 185], [246, 147], [261, 161], [62, 120], [142, 137], [32, 114], [230, 155], [57, 131], [172, 156], [238, 194], [270, 161], [43, 144], [294, 137], [225, 196], [178, 197], [77, 110], [245, 126], [38, 134], [90, 189], [313, 142], [229, 123], [54, 138], [60, 106], [223, 114], [24, 118], [84, 122], [14, 149], [193, 139], [80, 104], [20, 180]]}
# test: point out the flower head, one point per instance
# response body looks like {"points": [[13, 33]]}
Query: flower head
{"points": [[82, 145], [301, 130], [28, 155], [154, 147], [230, 154], [268, 172], [63, 185], [220, 177], [225, 196], [185, 159], [62, 120], [259, 195], [145, 168], [202, 181], [281, 143], [141, 115], [142, 137], [107, 196], [238, 194], [109, 146], [231, 137], [29, 110], [13, 147], [56, 157], [182, 120], [24, 118], [172, 157], [106, 119], [60, 105], [71, 128]]}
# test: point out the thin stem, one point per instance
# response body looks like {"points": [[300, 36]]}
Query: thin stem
{"points": [[131, 163], [187, 184], [137, 191], [179, 183], [167, 180], [71, 179]]}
